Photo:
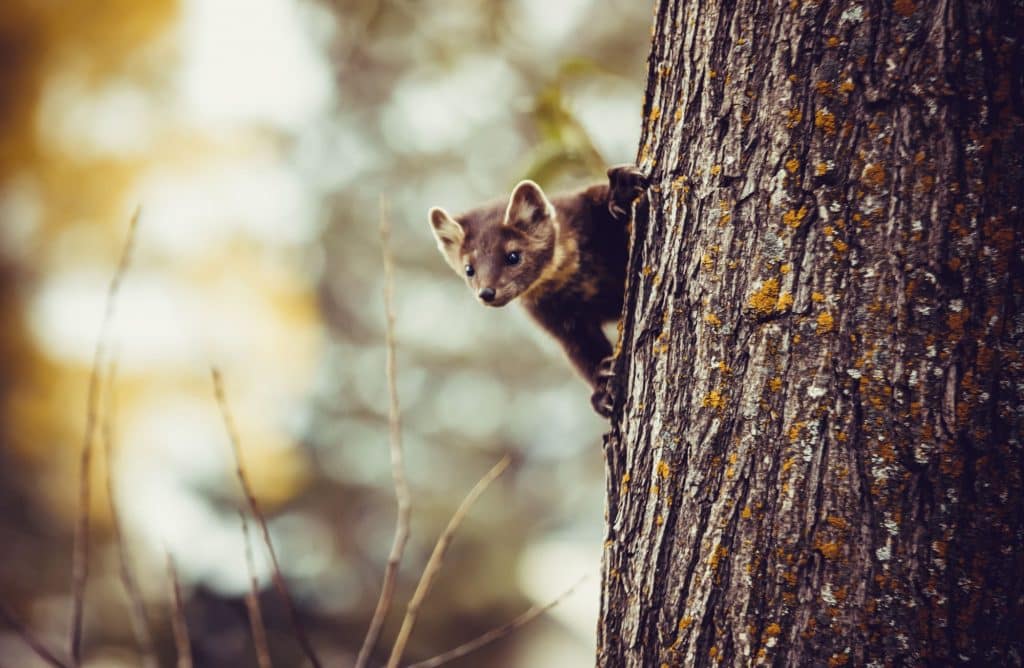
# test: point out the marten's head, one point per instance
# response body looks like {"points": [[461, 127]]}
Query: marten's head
{"points": [[501, 254]]}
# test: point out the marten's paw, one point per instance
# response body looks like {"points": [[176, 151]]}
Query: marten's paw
{"points": [[603, 398], [626, 183], [602, 402]]}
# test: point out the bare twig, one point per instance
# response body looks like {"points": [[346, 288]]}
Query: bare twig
{"points": [[254, 508], [80, 557], [433, 567], [28, 638], [497, 632], [252, 601], [402, 494], [179, 623], [139, 619]]}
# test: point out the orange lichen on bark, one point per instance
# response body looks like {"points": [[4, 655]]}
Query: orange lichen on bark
{"points": [[794, 217], [838, 660], [785, 301], [772, 630], [793, 117], [825, 322], [721, 552], [847, 86], [714, 399], [824, 88], [775, 384], [826, 120], [874, 175], [765, 298], [837, 522], [792, 165], [663, 469], [830, 550], [821, 169]]}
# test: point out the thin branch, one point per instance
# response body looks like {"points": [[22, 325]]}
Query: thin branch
{"points": [[139, 619], [436, 560], [497, 632], [252, 601], [179, 623], [80, 557], [402, 495], [28, 638], [254, 508]]}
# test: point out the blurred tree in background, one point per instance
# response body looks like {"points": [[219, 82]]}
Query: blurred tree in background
{"points": [[258, 136]]}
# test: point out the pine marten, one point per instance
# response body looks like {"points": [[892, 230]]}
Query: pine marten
{"points": [[564, 258]]}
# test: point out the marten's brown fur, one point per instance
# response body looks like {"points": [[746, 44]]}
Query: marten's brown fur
{"points": [[565, 258]]}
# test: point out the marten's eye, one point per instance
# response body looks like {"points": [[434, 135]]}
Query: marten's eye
{"points": [[469, 270], [513, 257]]}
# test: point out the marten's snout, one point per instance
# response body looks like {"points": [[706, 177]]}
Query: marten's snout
{"points": [[486, 294]]}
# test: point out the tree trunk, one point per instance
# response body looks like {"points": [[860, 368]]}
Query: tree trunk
{"points": [[816, 454]]}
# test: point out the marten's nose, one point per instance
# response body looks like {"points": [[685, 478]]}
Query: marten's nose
{"points": [[487, 294]]}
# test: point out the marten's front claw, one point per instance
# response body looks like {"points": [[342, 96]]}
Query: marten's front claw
{"points": [[603, 398], [602, 401], [626, 183]]}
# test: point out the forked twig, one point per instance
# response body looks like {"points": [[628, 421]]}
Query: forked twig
{"points": [[80, 556], [139, 619], [402, 494], [254, 508], [497, 632], [28, 638], [179, 623], [433, 566], [252, 601]]}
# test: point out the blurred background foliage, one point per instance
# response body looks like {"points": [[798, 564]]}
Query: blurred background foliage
{"points": [[259, 137]]}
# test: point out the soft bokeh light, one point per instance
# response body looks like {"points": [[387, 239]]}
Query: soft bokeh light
{"points": [[259, 137], [253, 62]]}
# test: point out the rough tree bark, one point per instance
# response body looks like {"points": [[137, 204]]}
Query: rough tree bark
{"points": [[816, 453]]}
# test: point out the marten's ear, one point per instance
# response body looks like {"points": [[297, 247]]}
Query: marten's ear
{"points": [[449, 234], [447, 230], [528, 207]]}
